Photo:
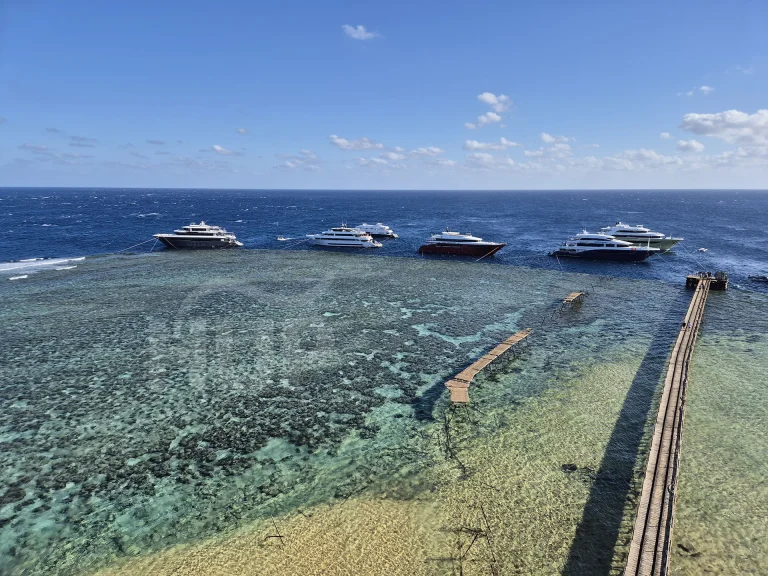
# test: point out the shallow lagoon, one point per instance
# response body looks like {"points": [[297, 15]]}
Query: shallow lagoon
{"points": [[173, 412]]}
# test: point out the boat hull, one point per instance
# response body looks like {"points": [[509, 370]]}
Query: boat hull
{"points": [[332, 244], [178, 243], [446, 249], [606, 255], [664, 244]]}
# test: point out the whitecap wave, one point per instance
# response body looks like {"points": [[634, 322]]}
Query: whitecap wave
{"points": [[37, 264], [18, 277]]}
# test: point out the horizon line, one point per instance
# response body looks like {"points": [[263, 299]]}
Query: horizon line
{"points": [[192, 188]]}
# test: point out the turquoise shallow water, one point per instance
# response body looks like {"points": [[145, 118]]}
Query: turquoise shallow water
{"points": [[155, 400]]}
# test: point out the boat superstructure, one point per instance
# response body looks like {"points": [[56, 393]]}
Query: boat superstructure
{"points": [[378, 229]]}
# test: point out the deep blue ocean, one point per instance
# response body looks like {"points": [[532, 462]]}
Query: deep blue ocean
{"points": [[53, 223]]}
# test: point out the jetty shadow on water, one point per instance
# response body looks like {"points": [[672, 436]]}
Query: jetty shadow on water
{"points": [[599, 529]]}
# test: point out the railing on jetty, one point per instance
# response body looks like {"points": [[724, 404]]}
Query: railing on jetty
{"points": [[649, 550], [459, 384]]}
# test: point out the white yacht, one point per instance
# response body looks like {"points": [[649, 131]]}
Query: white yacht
{"points": [[378, 229], [343, 237], [199, 236], [603, 247], [640, 236]]}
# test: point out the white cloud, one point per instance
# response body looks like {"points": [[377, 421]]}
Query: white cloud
{"points": [[486, 161], [690, 146], [37, 148], [502, 144], [371, 161], [733, 126], [359, 32], [488, 118], [482, 158], [427, 151], [394, 156], [689, 93], [242, 130], [549, 139], [665, 136], [359, 144], [744, 69], [223, 151], [305, 160], [706, 90], [470, 126], [500, 103], [156, 142], [642, 159], [742, 156], [557, 150]]}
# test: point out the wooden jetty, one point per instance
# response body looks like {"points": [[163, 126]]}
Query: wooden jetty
{"points": [[649, 551], [574, 297], [717, 281], [459, 384]]}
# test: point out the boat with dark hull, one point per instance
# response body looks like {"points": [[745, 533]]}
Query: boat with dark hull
{"points": [[603, 247], [457, 244], [199, 237]]}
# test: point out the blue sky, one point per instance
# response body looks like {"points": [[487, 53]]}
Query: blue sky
{"points": [[501, 95]]}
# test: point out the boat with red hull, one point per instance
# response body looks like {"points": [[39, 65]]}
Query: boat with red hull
{"points": [[457, 244]]}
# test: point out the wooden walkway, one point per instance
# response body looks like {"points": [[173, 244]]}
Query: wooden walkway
{"points": [[574, 297], [651, 539], [459, 384]]}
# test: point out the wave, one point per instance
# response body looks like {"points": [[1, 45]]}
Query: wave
{"points": [[36, 264], [18, 277], [148, 214]]}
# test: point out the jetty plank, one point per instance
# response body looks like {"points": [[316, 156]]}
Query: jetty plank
{"points": [[649, 551], [459, 384]]}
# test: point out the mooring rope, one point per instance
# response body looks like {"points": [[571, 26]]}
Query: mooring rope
{"points": [[134, 246]]}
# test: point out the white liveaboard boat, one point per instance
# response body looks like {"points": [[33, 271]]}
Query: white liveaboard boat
{"points": [[639, 235], [343, 237], [603, 247], [199, 236], [378, 229]]}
